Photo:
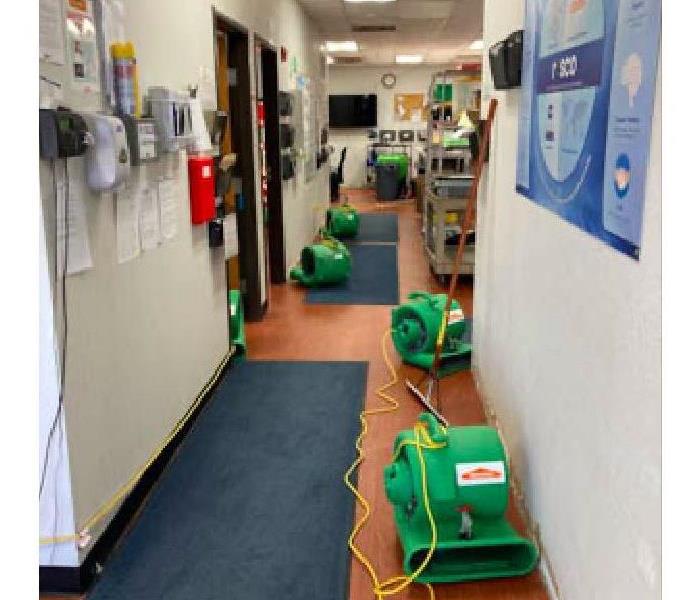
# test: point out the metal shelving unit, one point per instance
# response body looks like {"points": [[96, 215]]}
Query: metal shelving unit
{"points": [[447, 183]]}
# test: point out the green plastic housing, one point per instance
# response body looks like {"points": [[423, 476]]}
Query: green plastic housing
{"points": [[342, 221], [414, 330], [400, 160], [327, 262], [442, 92], [470, 474], [236, 324]]}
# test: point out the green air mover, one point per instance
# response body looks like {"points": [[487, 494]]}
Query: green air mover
{"points": [[342, 221], [414, 329], [325, 262], [467, 483], [236, 326]]}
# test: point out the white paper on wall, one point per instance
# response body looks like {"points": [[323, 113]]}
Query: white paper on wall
{"points": [[72, 234], [149, 223], [50, 93], [206, 87], [51, 41], [82, 50], [128, 238], [230, 236], [167, 198]]}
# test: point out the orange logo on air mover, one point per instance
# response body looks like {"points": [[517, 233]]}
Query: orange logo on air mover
{"points": [[481, 473]]}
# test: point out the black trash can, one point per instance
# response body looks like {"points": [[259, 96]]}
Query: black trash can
{"points": [[387, 182]]}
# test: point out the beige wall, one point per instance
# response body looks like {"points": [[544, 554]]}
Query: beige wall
{"points": [[146, 335], [567, 339], [367, 80]]}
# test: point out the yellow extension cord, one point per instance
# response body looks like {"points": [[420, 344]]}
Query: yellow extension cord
{"points": [[393, 585], [108, 506], [382, 589]]}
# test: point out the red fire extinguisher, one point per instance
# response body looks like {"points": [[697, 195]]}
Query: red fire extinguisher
{"points": [[200, 169]]}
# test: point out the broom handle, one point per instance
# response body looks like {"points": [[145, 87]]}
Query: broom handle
{"points": [[468, 220]]}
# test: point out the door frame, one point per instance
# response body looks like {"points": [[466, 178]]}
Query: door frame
{"points": [[240, 124], [275, 208]]}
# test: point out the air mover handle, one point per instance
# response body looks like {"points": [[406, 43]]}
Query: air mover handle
{"points": [[432, 299], [419, 294], [435, 430]]}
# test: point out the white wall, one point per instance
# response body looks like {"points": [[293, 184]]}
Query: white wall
{"points": [[146, 335], [367, 80], [568, 352], [56, 500]]}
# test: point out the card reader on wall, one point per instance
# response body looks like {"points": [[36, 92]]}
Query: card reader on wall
{"points": [[173, 115], [141, 137], [62, 133], [107, 158]]}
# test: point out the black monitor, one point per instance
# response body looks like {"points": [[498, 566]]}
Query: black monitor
{"points": [[358, 110]]}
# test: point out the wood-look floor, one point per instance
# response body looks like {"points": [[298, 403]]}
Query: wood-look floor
{"points": [[293, 330]]}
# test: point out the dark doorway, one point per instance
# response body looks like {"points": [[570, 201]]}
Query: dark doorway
{"points": [[275, 216], [234, 97]]}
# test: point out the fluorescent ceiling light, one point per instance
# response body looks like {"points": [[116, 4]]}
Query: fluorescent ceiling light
{"points": [[347, 46], [477, 45], [330, 60], [409, 59]]}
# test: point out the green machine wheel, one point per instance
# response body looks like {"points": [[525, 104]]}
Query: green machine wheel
{"points": [[236, 324], [342, 221], [414, 330], [467, 483], [326, 262]]}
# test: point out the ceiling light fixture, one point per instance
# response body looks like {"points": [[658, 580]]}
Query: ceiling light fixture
{"points": [[477, 45], [409, 59], [347, 46], [330, 60], [368, 1]]}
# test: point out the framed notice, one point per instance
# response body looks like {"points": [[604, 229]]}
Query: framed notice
{"points": [[409, 107]]}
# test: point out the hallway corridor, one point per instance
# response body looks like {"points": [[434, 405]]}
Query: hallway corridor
{"points": [[293, 330]]}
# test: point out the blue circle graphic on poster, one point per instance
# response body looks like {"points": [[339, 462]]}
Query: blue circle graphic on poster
{"points": [[568, 75], [622, 175]]}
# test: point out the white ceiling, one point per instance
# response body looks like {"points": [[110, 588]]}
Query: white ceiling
{"points": [[440, 30]]}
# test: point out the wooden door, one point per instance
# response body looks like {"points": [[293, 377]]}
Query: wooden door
{"points": [[227, 143]]}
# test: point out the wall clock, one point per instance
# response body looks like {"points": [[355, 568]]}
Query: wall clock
{"points": [[388, 80]]}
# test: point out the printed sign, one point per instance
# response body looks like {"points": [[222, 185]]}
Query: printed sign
{"points": [[82, 40], [588, 85], [481, 473], [455, 316]]}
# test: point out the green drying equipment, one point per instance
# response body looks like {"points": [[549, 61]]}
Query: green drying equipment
{"points": [[466, 475], [414, 330], [325, 262], [342, 221], [236, 324]]}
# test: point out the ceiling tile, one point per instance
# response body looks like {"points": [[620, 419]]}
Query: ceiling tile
{"points": [[439, 29]]}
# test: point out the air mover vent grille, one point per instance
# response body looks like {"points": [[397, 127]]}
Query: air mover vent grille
{"points": [[372, 28]]}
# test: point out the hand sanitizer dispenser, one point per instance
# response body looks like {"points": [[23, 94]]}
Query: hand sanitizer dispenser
{"points": [[107, 157]]}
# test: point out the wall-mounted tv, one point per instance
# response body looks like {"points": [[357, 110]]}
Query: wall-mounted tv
{"points": [[359, 110]]}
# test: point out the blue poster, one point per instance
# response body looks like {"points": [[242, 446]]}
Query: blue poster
{"points": [[588, 84]]}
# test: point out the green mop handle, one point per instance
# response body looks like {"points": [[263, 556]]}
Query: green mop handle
{"points": [[467, 221]]}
